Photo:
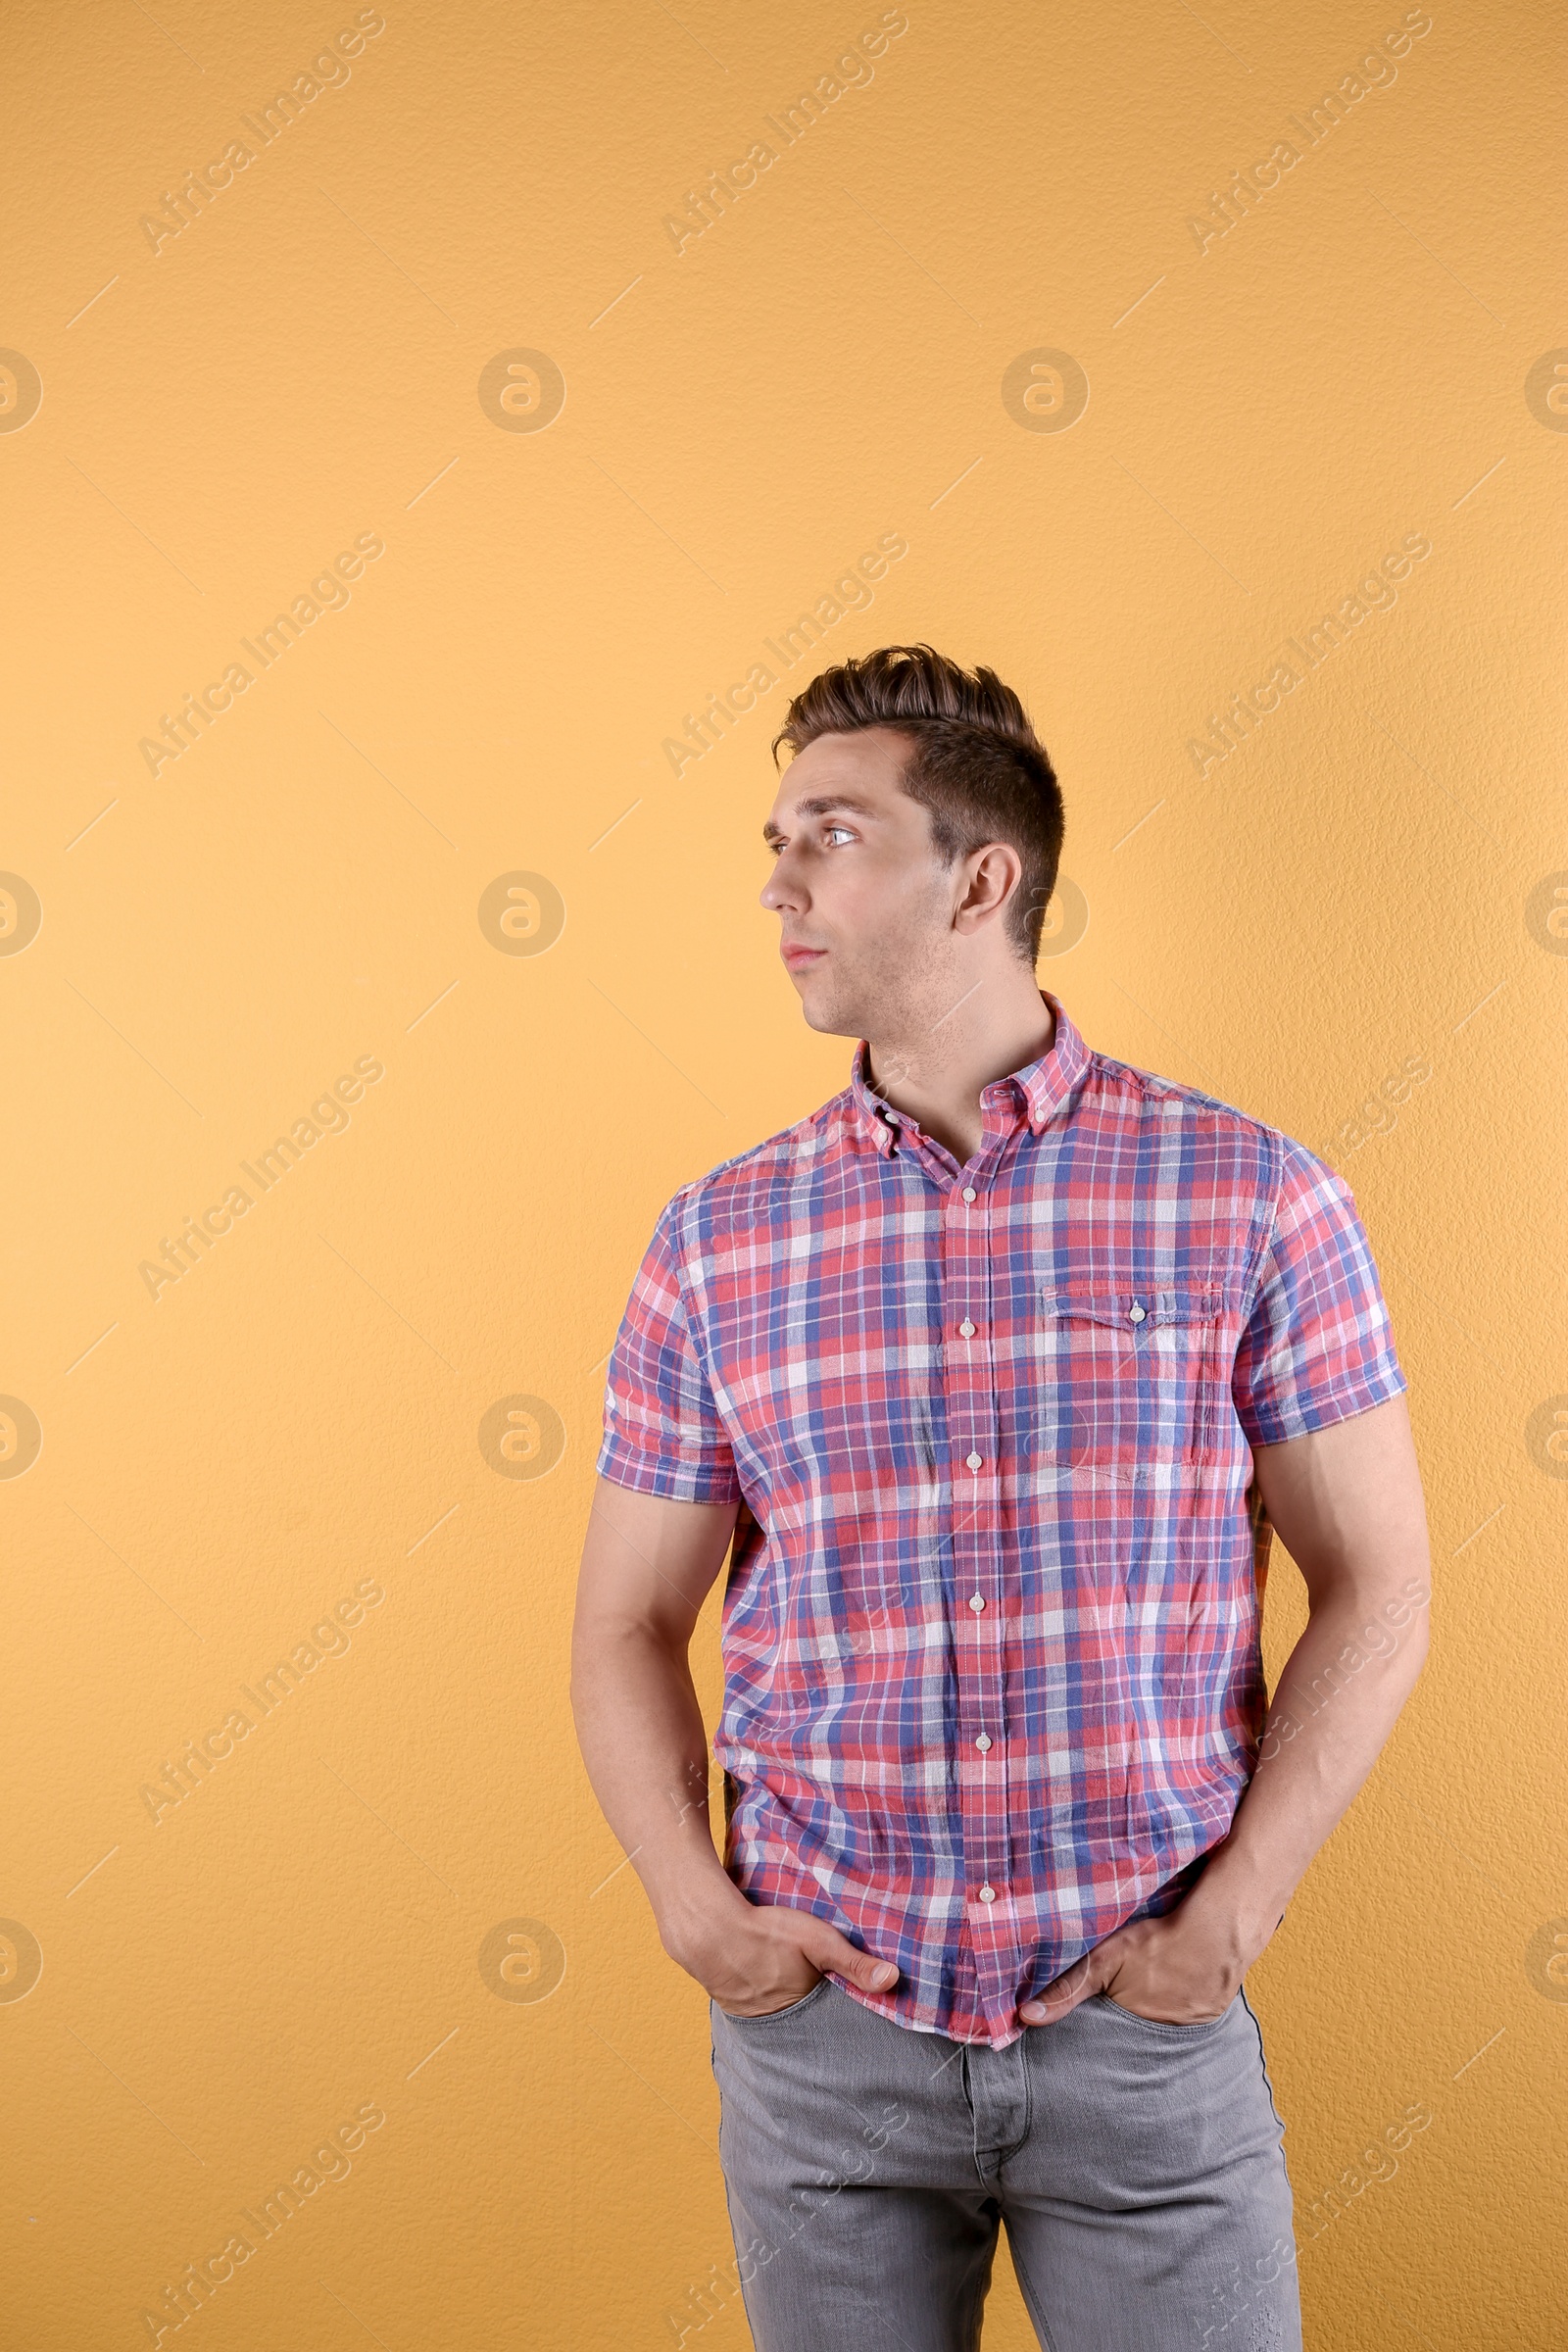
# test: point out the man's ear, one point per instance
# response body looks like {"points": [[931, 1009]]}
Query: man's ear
{"points": [[993, 876]]}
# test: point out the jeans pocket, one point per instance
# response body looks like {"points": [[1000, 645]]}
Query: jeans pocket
{"points": [[1161, 2025], [771, 2017]]}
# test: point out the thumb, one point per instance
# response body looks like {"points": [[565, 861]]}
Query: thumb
{"points": [[1062, 1993], [826, 1948]]}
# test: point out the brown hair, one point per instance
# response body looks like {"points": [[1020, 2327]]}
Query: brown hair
{"points": [[976, 766]]}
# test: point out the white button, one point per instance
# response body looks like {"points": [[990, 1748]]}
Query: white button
{"points": [[973, 1460], [977, 1602], [988, 1895], [969, 1192], [966, 1330], [1134, 1314], [983, 1742]]}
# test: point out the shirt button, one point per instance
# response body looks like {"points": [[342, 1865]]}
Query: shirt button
{"points": [[966, 1331], [969, 1192], [973, 1460], [988, 1895], [977, 1602], [1134, 1314], [983, 1742]]}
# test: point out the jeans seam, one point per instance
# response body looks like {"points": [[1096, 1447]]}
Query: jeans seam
{"points": [[1262, 2059], [1031, 2293]]}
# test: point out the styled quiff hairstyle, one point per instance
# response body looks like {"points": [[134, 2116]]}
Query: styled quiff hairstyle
{"points": [[975, 763]]}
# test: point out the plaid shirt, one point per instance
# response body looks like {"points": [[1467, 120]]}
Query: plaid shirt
{"points": [[992, 1676]]}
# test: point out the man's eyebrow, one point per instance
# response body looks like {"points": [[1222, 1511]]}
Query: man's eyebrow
{"points": [[823, 804]]}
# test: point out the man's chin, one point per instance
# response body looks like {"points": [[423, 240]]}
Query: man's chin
{"points": [[823, 1008]]}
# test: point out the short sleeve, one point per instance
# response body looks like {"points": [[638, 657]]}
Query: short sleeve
{"points": [[1319, 1345], [662, 1432]]}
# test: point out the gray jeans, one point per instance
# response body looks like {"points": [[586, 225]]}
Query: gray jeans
{"points": [[1136, 2168]]}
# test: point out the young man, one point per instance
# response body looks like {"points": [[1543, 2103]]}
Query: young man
{"points": [[992, 1377]]}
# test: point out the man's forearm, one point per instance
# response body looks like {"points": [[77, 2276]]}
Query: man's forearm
{"points": [[648, 1564], [1341, 1688], [641, 1732]]}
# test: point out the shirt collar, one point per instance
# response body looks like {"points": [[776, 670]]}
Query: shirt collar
{"points": [[1035, 1091]]}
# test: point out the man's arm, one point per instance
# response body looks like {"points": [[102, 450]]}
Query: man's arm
{"points": [[648, 1564], [1347, 1503]]}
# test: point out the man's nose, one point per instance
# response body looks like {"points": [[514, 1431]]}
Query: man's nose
{"points": [[782, 889]]}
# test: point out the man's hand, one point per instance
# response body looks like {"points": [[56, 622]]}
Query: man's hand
{"points": [[1182, 1969], [753, 1958]]}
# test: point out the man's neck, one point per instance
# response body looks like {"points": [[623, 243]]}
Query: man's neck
{"points": [[937, 1073]]}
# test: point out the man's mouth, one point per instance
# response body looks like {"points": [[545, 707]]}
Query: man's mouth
{"points": [[795, 957]]}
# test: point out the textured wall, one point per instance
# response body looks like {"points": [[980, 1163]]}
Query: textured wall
{"points": [[450, 883]]}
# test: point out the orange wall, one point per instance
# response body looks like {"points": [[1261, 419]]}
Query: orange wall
{"points": [[382, 1379]]}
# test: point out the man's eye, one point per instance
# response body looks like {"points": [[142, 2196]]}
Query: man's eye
{"points": [[848, 831]]}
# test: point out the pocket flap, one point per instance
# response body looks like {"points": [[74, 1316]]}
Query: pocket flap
{"points": [[1178, 1302]]}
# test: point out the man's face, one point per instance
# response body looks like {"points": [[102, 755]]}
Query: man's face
{"points": [[866, 909]]}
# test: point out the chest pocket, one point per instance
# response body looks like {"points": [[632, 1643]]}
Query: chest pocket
{"points": [[1126, 1379]]}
